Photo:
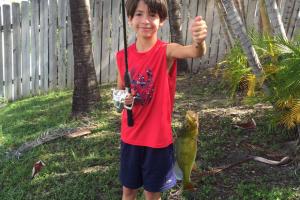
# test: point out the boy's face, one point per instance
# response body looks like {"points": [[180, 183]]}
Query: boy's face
{"points": [[144, 23]]}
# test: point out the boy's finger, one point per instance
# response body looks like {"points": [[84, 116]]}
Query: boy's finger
{"points": [[198, 18]]}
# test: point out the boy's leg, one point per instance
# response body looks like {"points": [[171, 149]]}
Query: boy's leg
{"points": [[129, 194], [152, 195], [158, 173], [130, 170]]}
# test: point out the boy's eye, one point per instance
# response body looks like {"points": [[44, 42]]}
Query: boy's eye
{"points": [[138, 14], [152, 14]]}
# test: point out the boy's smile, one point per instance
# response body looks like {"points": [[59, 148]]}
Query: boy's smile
{"points": [[145, 23]]}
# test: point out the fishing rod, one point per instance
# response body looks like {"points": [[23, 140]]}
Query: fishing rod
{"points": [[126, 75]]}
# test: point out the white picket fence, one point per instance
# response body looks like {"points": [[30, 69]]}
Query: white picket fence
{"points": [[36, 50]]}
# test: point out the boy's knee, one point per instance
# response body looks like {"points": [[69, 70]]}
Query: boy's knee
{"points": [[152, 195], [129, 193]]}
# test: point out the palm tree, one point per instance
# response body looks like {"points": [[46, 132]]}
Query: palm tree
{"points": [[234, 22], [175, 21], [275, 18], [86, 90]]}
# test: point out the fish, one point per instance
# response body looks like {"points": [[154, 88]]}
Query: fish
{"points": [[186, 148]]}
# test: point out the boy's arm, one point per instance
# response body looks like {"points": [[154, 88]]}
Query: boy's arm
{"points": [[119, 82], [197, 49]]}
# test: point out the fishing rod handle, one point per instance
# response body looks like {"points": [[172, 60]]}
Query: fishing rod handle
{"points": [[129, 113]]}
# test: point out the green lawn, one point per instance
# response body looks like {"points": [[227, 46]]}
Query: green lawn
{"points": [[87, 167]]}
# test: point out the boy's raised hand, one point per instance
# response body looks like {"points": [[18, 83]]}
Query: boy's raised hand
{"points": [[199, 30]]}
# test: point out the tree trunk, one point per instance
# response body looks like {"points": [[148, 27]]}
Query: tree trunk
{"points": [[226, 30], [275, 18], [235, 24], [266, 25], [175, 21], [86, 90]]}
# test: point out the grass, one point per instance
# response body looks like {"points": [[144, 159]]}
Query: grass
{"points": [[87, 167]]}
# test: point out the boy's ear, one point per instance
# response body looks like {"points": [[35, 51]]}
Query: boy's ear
{"points": [[161, 23], [129, 21]]}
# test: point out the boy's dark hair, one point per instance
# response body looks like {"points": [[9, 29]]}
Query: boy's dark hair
{"points": [[155, 6]]}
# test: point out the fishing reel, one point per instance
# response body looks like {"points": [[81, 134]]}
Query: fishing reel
{"points": [[119, 99]]}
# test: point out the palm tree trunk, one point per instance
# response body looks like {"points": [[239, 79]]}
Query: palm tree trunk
{"points": [[175, 21], [226, 30], [235, 24], [86, 90], [266, 25], [275, 18]]}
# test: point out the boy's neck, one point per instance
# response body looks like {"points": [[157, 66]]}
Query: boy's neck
{"points": [[145, 44]]}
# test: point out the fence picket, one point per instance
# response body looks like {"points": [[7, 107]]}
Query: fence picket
{"points": [[293, 20], [35, 56], [70, 56], [115, 34], [25, 49], [106, 42], [97, 30], [287, 14], [214, 43], [1, 61], [62, 57], [53, 82], [7, 52], [16, 12], [44, 45]]}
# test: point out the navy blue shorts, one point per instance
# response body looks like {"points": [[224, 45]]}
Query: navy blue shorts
{"points": [[149, 167]]}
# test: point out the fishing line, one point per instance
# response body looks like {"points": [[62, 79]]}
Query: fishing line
{"points": [[126, 75]]}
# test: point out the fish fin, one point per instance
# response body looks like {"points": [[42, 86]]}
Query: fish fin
{"points": [[195, 167], [178, 171], [188, 186]]}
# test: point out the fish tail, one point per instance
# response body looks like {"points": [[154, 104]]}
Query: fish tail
{"points": [[188, 186]]}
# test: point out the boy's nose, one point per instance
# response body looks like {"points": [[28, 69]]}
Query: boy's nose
{"points": [[146, 19]]}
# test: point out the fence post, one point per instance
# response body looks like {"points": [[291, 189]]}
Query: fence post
{"points": [[7, 52], [1, 60], [25, 49], [16, 17]]}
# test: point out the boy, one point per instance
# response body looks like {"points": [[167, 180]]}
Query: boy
{"points": [[147, 157]]}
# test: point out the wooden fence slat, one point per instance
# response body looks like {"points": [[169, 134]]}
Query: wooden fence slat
{"points": [[293, 20], [165, 31], [44, 45], [215, 38], [287, 13], [25, 49], [193, 10], [115, 34], [209, 20], [106, 42], [281, 5], [52, 45], [186, 18], [16, 12], [1, 60], [35, 56], [70, 55], [7, 52], [96, 36], [252, 9], [297, 26], [62, 44]]}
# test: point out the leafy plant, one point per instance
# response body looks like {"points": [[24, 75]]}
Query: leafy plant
{"points": [[280, 60]]}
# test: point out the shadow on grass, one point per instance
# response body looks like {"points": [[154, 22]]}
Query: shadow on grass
{"points": [[26, 119]]}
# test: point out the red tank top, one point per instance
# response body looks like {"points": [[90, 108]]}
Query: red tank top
{"points": [[154, 89]]}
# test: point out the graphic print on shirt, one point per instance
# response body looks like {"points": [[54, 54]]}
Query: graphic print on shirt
{"points": [[142, 86]]}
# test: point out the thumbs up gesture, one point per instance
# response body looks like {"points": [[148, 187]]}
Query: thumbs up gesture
{"points": [[199, 30]]}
